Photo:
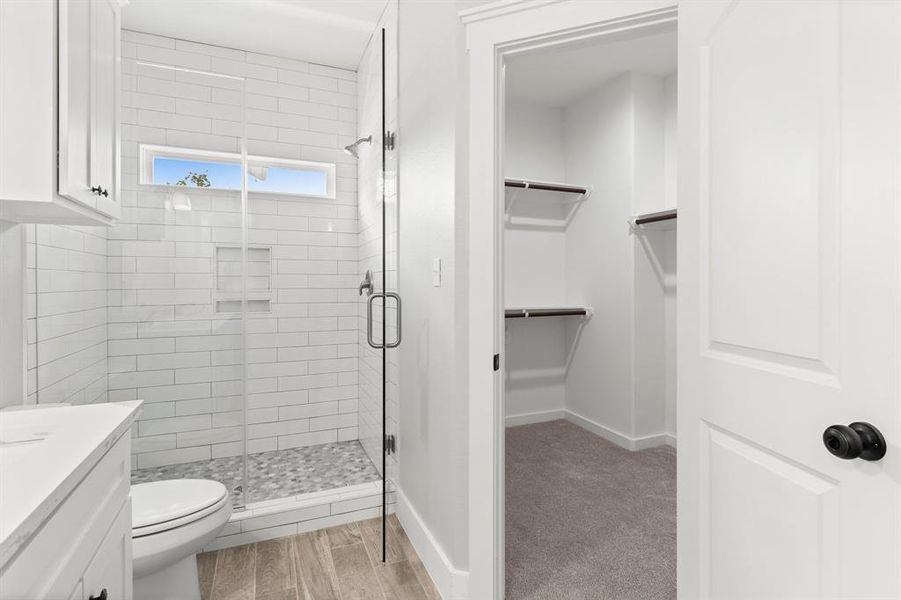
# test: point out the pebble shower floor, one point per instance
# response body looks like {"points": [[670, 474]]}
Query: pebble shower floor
{"points": [[277, 474]]}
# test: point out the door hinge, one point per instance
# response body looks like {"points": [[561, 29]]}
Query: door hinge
{"points": [[390, 444], [389, 140], [497, 362]]}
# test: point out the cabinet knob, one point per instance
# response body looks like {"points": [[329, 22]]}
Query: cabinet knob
{"points": [[100, 191], [102, 596]]}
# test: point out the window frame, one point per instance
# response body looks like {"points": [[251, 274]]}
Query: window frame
{"points": [[149, 152]]}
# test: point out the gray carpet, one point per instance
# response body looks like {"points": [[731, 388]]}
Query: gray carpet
{"points": [[587, 519]]}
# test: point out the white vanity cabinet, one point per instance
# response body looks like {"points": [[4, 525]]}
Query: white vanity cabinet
{"points": [[110, 570], [85, 546], [59, 98], [66, 534]]}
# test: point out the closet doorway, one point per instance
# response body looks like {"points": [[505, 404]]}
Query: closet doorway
{"points": [[589, 295]]}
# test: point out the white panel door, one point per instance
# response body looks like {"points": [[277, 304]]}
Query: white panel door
{"points": [[789, 297]]}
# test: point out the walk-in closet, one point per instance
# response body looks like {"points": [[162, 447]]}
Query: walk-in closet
{"points": [[590, 225]]}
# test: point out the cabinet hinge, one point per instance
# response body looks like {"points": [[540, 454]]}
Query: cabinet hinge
{"points": [[390, 444], [497, 362]]}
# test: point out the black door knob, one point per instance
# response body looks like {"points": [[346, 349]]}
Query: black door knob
{"points": [[857, 440]]}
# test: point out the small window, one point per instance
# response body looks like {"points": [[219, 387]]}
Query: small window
{"points": [[182, 167], [196, 173], [287, 177]]}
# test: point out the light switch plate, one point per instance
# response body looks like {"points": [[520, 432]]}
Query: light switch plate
{"points": [[436, 272]]}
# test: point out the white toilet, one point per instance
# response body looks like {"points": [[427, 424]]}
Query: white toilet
{"points": [[171, 522]]}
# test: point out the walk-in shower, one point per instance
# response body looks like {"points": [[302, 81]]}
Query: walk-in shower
{"points": [[226, 297]]}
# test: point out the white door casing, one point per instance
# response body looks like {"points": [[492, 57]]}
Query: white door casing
{"points": [[789, 297]]}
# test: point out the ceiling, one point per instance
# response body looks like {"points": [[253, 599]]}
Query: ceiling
{"points": [[329, 32], [559, 76]]}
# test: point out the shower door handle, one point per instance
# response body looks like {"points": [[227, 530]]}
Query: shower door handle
{"points": [[396, 297], [384, 296], [372, 297]]}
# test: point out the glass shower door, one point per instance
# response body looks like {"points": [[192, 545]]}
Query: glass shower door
{"points": [[381, 305], [174, 265]]}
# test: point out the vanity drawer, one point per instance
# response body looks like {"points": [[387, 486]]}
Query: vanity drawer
{"points": [[59, 553]]}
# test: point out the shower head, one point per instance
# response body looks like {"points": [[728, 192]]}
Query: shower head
{"points": [[352, 148]]}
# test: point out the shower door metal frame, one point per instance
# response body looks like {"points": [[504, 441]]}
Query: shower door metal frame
{"points": [[384, 126]]}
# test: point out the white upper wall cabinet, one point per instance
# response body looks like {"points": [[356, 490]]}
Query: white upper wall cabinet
{"points": [[59, 158]]}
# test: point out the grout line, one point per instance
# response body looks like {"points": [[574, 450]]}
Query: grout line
{"points": [[253, 589]]}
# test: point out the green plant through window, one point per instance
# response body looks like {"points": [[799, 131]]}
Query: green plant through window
{"points": [[201, 180]]}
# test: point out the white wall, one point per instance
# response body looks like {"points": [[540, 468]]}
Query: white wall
{"points": [[67, 332], [533, 142], [12, 314], [621, 379], [620, 373], [533, 149], [600, 261], [433, 432], [53, 329], [670, 160], [533, 277], [670, 153], [670, 337], [650, 328], [649, 361]]}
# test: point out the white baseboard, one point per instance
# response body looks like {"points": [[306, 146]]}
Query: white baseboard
{"points": [[534, 417], [618, 438], [452, 583]]}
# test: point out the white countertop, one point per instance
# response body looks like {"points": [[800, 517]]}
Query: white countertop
{"points": [[44, 454]]}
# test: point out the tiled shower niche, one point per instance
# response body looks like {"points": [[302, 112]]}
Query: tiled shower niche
{"points": [[230, 281]]}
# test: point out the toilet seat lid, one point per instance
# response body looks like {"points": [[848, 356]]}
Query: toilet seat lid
{"points": [[157, 502]]}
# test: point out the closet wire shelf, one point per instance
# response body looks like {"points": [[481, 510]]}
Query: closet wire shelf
{"points": [[518, 187], [545, 186], [654, 217], [531, 313]]}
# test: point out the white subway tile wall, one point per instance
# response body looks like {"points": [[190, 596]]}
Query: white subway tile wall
{"points": [[168, 344], [66, 322]]}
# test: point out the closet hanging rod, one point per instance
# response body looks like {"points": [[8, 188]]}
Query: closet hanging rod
{"points": [[664, 215], [544, 186], [530, 313]]}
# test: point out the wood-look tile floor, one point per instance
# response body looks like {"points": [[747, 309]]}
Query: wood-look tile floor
{"points": [[338, 563]]}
